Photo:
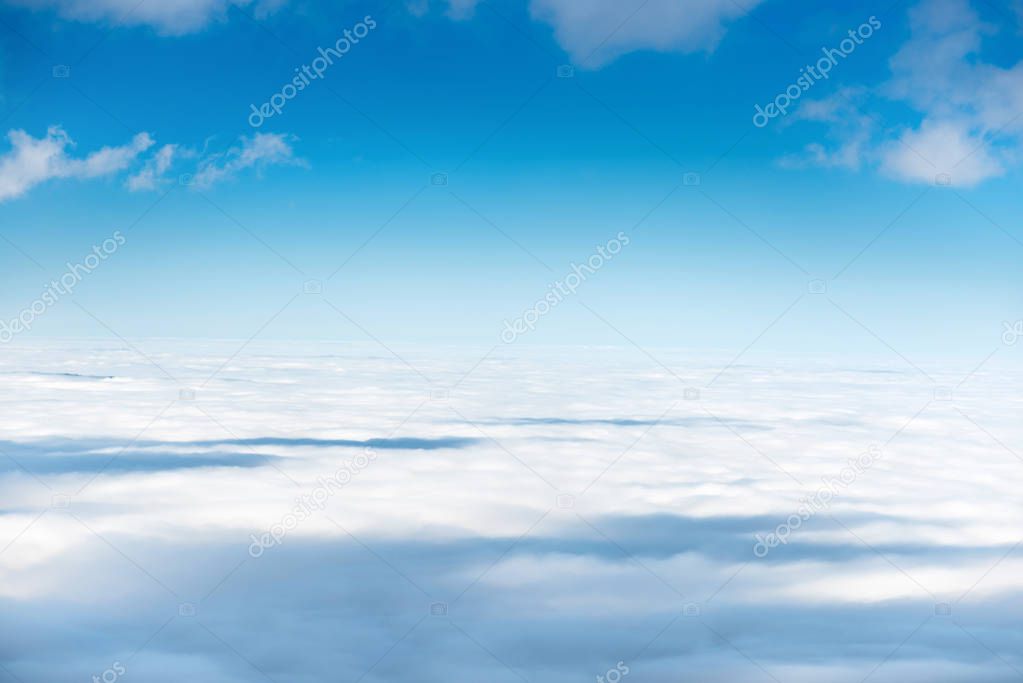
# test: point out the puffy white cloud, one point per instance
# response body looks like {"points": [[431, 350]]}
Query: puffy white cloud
{"points": [[968, 130], [172, 17], [259, 151], [940, 147], [32, 161], [969, 126], [599, 31]]}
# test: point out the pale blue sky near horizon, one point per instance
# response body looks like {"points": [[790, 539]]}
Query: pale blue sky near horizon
{"points": [[539, 171]]}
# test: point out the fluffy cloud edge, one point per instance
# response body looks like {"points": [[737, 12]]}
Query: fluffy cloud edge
{"points": [[967, 132], [32, 161], [596, 33]]}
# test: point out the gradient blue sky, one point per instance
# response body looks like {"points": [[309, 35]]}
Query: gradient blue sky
{"points": [[540, 169]]}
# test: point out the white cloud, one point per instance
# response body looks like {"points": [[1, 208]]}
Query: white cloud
{"points": [[931, 69], [151, 173], [849, 131], [597, 32], [968, 126], [259, 151], [173, 17], [940, 147], [418, 8], [461, 9], [679, 509], [32, 161], [968, 106]]}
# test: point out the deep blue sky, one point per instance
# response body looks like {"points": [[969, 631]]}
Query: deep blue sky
{"points": [[540, 169]]}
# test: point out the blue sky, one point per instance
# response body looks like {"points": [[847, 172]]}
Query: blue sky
{"points": [[539, 170]]}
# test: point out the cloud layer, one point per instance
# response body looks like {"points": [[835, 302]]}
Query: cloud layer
{"points": [[548, 517]]}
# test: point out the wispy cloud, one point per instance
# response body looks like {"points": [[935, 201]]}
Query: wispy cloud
{"points": [[153, 170], [173, 17], [32, 161], [259, 151]]}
